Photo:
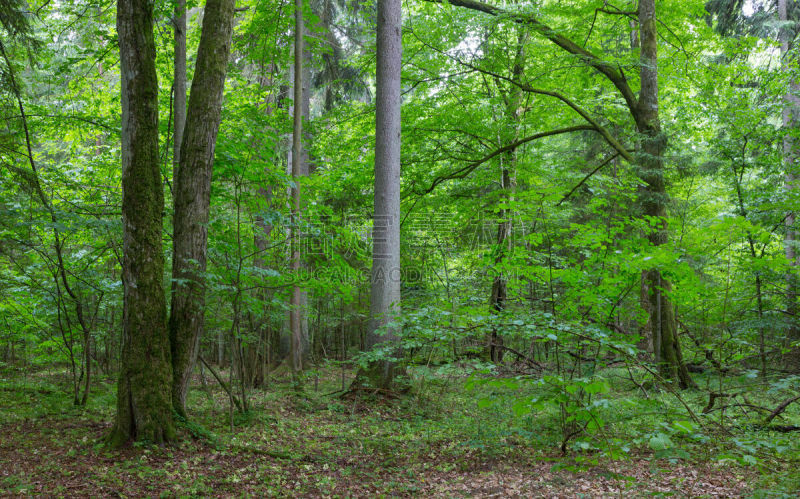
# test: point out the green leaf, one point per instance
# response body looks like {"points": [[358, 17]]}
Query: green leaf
{"points": [[599, 386], [522, 407], [484, 402], [684, 426]]}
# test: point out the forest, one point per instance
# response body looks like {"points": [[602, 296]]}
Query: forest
{"points": [[421, 248]]}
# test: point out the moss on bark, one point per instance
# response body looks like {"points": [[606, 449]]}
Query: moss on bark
{"points": [[144, 402]]}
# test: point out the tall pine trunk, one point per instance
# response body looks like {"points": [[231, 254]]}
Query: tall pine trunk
{"points": [[385, 280], [144, 409], [192, 194]]}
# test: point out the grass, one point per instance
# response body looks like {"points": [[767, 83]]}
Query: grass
{"points": [[441, 440]]}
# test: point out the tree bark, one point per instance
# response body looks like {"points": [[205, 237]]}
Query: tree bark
{"points": [[192, 194], [144, 409], [497, 300], [663, 324], [790, 155], [179, 80], [386, 279], [296, 311]]}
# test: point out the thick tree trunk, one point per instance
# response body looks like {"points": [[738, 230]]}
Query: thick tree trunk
{"points": [[144, 408], [386, 279], [663, 326], [192, 194]]}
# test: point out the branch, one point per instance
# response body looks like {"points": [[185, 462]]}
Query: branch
{"points": [[531, 363], [221, 383], [601, 165], [780, 409], [708, 353], [463, 172], [618, 12], [609, 71], [612, 141], [110, 128]]}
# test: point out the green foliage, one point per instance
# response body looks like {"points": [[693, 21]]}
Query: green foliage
{"points": [[576, 375]]}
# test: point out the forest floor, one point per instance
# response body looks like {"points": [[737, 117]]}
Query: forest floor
{"points": [[316, 444]]}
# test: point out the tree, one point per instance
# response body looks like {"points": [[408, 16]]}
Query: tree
{"points": [[144, 402], [663, 325], [179, 80], [192, 194], [156, 361], [513, 112], [385, 279], [791, 153], [296, 311], [644, 112]]}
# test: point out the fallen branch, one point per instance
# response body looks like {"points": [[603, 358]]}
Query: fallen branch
{"points": [[521, 356], [784, 428], [607, 361], [373, 391], [778, 410]]}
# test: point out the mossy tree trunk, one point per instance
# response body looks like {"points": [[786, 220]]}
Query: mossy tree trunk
{"points": [[192, 194], [663, 324], [144, 403]]}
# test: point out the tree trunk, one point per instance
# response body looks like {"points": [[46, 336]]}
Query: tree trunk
{"points": [[192, 194], [259, 354], [790, 155], [296, 311], [663, 326], [385, 280], [179, 80], [497, 300], [144, 408]]}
